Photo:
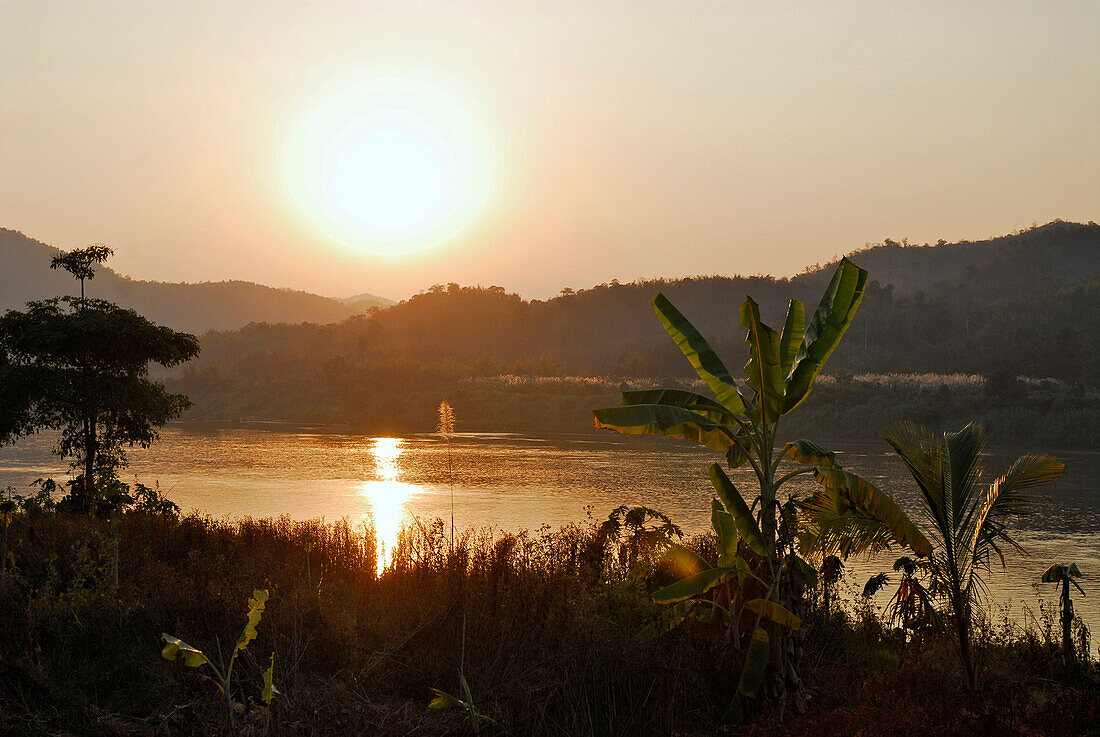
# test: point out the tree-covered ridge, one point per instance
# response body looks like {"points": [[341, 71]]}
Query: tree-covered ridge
{"points": [[25, 276], [1027, 305]]}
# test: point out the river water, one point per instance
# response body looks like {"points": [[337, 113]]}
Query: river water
{"points": [[513, 482]]}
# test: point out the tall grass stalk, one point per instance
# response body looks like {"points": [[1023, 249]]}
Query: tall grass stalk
{"points": [[446, 430]]}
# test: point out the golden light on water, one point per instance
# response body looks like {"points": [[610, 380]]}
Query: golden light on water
{"points": [[389, 165], [387, 496]]}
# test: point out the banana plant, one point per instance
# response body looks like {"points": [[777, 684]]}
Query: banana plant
{"points": [[759, 578], [1065, 574], [223, 675]]}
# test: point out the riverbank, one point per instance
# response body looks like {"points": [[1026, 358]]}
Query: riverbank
{"points": [[1043, 413], [554, 632]]}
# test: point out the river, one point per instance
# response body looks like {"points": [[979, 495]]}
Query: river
{"points": [[513, 482]]}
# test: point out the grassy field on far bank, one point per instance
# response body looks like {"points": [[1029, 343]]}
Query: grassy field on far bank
{"points": [[1045, 413]]}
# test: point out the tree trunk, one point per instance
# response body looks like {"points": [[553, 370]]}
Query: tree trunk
{"points": [[962, 624], [1069, 658], [90, 450]]}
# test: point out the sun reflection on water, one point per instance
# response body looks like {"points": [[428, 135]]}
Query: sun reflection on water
{"points": [[387, 496]]}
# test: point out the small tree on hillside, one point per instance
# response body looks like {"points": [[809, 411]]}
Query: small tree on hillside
{"points": [[78, 262]]}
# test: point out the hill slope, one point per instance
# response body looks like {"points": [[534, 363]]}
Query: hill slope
{"points": [[1023, 305], [196, 308]]}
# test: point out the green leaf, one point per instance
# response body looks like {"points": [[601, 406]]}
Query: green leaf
{"points": [[764, 369], [831, 319], [809, 453], [691, 586], [669, 422], [175, 647], [774, 612], [269, 691], [705, 406], [794, 328], [726, 531], [862, 496], [445, 701], [701, 356], [738, 509], [756, 660], [256, 605]]}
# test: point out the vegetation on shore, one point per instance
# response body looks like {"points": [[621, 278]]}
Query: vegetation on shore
{"points": [[561, 637], [842, 407]]}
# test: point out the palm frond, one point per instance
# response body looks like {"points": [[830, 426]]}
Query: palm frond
{"points": [[924, 455], [837, 528], [1013, 494], [964, 449]]}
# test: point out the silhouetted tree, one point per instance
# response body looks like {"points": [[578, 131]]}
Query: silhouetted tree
{"points": [[81, 367], [78, 262]]}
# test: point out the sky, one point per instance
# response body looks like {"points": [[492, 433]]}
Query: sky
{"points": [[346, 147]]}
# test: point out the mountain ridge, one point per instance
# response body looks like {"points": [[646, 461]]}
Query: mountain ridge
{"points": [[195, 307]]}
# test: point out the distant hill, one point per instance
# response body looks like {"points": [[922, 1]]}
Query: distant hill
{"points": [[366, 300], [1027, 303], [1017, 309], [196, 308]]}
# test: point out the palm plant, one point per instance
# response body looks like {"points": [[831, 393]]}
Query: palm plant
{"points": [[1064, 574], [758, 582], [965, 522]]}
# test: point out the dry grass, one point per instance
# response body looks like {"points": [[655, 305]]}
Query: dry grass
{"points": [[561, 639]]}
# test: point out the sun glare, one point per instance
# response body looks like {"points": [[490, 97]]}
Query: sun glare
{"points": [[387, 496], [389, 166]]}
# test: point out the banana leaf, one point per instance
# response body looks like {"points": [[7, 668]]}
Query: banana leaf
{"points": [[756, 660], [256, 605], [685, 561], [809, 453], [790, 340], [691, 586], [726, 530], [867, 500], [764, 369], [775, 612], [705, 406], [269, 691], [747, 526], [667, 421], [830, 321], [701, 356]]}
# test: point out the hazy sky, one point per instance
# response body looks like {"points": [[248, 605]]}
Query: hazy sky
{"points": [[603, 139]]}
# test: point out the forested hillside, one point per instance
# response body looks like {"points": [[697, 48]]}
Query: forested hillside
{"points": [[196, 308], [1026, 305]]}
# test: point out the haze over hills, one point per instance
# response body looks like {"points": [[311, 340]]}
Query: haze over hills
{"points": [[25, 275]]}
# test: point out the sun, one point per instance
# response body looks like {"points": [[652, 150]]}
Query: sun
{"points": [[389, 165]]}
